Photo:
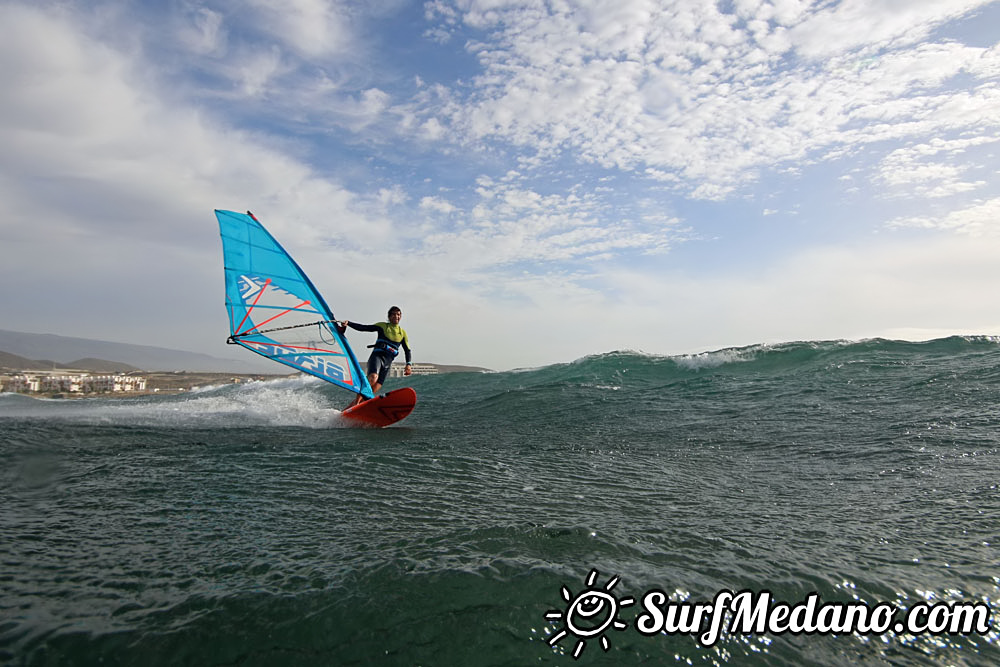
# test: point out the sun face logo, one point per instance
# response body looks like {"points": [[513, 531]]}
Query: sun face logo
{"points": [[589, 614]]}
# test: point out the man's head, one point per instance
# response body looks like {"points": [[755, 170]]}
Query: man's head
{"points": [[395, 314]]}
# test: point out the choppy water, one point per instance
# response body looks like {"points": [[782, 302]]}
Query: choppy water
{"points": [[242, 525]]}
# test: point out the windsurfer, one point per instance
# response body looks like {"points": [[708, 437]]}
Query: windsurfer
{"points": [[391, 337]]}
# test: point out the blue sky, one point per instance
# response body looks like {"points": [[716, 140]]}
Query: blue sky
{"points": [[531, 181]]}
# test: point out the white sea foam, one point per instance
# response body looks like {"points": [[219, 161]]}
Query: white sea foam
{"points": [[283, 402], [717, 358]]}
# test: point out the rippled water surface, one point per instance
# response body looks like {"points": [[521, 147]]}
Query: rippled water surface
{"points": [[244, 525]]}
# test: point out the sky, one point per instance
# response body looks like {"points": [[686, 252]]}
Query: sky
{"points": [[531, 181]]}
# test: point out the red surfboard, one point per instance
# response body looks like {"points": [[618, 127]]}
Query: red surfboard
{"points": [[383, 410]]}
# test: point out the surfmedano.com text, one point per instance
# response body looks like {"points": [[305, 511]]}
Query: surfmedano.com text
{"points": [[758, 613]]}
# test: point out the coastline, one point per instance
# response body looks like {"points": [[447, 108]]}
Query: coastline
{"points": [[163, 382]]}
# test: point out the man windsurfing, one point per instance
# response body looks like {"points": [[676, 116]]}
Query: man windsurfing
{"points": [[391, 337]]}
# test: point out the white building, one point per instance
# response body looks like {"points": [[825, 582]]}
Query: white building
{"points": [[69, 382], [396, 370]]}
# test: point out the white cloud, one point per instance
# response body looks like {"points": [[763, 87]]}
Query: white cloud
{"points": [[685, 90], [202, 31], [931, 284], [115, 152], [932, 169], [916, 289], [437, 205], [511, 225], [850, 24], [257, 71], [979, 219], [432, 129], [97, 173], [313, 28]]}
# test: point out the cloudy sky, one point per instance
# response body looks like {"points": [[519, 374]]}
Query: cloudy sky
{"points": [[532, 181]]}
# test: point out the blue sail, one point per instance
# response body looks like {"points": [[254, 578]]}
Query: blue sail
{"points": [[274, 309]]}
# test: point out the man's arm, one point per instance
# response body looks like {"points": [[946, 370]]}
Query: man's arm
{"points": [[362, 327]]}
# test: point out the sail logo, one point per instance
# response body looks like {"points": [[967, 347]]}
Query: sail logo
{"points": [[312, 363], [249, 287], [252, 286], [321, 366]]}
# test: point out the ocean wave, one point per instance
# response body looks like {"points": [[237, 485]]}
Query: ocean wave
{"points": [[789, 354], [558, 390]]}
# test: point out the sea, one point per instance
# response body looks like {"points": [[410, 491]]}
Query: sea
{"points": [[805, 503]]}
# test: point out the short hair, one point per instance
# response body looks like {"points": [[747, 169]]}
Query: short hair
{"points": [[394, 309]]}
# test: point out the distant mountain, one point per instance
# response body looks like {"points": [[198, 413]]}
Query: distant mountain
{"points": [[17, 363], [31, 347], [101, 366]]}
